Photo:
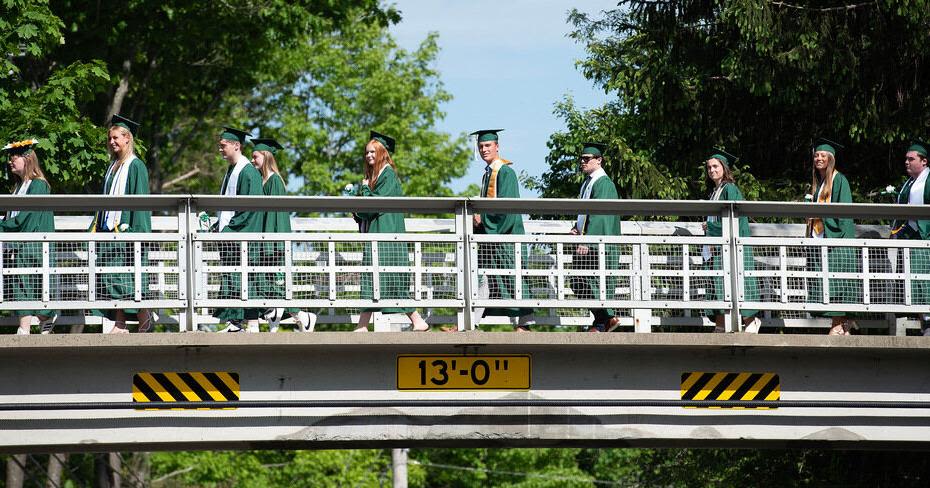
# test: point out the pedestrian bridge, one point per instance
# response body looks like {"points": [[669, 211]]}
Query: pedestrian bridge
{"points": [[675, 386], [93, 393], [658, 274]]}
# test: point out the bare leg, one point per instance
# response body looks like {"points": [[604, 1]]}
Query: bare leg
{"points": [[363, 319], [145, 320], [839, 326], [419, 325], [119, 323], [720, 322]]}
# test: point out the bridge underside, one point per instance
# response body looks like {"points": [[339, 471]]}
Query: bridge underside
{"points": [[572, 371]]}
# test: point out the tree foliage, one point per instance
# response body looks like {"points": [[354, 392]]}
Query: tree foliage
{"points": [[339, 87], [49, 108], [761, 78], [317, 75]]}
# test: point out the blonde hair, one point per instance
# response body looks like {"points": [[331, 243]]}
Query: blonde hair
{"points": [[123, 131], [32, 170], [382, 158], [827, 184], [269, 165]]}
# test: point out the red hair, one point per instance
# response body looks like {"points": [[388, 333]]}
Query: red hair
{"points": [[382, 158]]}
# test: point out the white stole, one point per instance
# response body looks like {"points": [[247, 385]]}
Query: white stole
{"points": [[118, 182], [230, 184], [22, 189], [706, 253], [585, 194], [917, 193]]}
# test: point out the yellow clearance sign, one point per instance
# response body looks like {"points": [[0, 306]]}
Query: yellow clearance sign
{"points": [[211, 388], [460, 372], [733, 386]]}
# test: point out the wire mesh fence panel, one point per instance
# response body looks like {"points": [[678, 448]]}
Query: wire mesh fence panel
{"points": [[665, 268], [23, 278]]}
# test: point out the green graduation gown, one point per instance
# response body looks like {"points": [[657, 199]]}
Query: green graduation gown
{"points": [[501, 255], [920, 258], [731, 192], [392, 285], [271, 285], [248, 183], [589, 287], [839, 259], [121, 286], [22, 288]]}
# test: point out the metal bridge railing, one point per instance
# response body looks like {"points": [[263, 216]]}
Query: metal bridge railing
{"points": [[661, 272]]}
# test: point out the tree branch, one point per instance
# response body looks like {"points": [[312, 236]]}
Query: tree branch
{"points": [[175, 181], [824, 9], [121, 90]]}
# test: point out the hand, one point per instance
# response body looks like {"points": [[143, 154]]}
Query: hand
{"points": [[574, 231], [582, 250], [476, 219], [704, 226], [365, 182]]}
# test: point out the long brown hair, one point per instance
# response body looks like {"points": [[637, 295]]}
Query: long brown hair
{"points": [[32, 169], [727, 175], [382, 158], [269, 165], [826, 194]]}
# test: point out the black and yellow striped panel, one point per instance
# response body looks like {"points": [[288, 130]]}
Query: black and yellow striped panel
{"points": [[211, 388], [723, 386]]}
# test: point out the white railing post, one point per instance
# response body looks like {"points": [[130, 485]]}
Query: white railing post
{"points": [[732, 225], [188, 264], [467, 269]]}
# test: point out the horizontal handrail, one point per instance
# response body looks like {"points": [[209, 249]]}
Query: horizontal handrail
{"points": [[536, 206]]}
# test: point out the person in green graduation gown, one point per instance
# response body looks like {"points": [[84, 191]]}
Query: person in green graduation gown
{"points": [[916, 191], [720, 179], [126, 175], [381, 181], [499, 181], [241, 179], [24, 164], [830, 186], [271, 285], [596, 186]]}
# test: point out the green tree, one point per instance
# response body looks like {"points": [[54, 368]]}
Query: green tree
{"points": [[759, 77], [44, 100], [176, 67], [342, 85]]}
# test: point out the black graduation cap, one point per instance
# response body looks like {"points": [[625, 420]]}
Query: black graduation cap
{"points": [[485, 135], [823, 144], [119, 121], [593, 148], [20, 147], [724, 157], [231, 134], [269, 145], [387, 141]]}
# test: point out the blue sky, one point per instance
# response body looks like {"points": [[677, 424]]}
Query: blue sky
{"points": [[506, 63]]}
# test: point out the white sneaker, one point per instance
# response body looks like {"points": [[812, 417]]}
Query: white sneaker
{"points": [[232, 327], [753, 327], [48, 324], [21, 331], [306, 321], [273, 316]]}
